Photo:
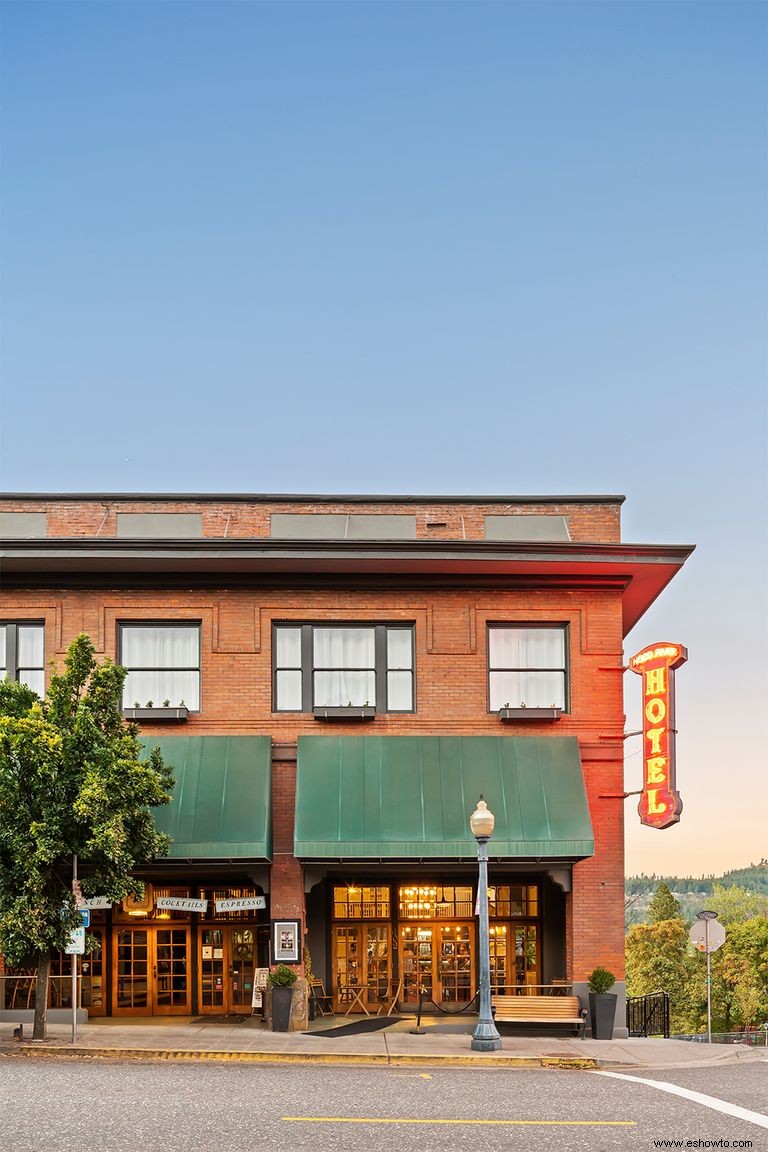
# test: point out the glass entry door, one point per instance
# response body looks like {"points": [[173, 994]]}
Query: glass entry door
{"points": [[227, 961], [514, 957], [151, 971], [361, 964], [440, 958]]}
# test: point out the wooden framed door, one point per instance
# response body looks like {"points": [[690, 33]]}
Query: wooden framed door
{"points": [[151, 971], [227, 958], [361, 958], [439, 958]]}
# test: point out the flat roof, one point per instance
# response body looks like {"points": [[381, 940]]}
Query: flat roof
{"points": [[309, 498]]}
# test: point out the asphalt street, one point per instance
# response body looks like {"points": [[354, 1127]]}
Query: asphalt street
{"points": [[94, 1105]]}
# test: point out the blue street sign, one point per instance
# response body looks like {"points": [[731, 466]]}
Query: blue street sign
{"points": [[86, 915]]}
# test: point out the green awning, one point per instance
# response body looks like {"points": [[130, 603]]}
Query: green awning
{"points": [[410, 797], [221, 803]]}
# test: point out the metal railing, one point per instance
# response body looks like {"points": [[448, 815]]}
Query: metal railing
{"points": [[648, 1015], [20, 991], [753, 1037]]}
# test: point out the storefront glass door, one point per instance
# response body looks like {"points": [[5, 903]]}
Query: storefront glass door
{"points": [[440, 959], [227, 962], [151, 971], [361, 959]]}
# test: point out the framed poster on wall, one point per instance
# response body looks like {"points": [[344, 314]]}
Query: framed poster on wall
{"points": [[285, 941]]}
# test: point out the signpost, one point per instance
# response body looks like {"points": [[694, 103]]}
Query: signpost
{"points": [[707, 935]]}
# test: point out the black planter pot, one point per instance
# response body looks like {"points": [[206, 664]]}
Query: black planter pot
{"points": [[602, 1013], [281, 1008]]}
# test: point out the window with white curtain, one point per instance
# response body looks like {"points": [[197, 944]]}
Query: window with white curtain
{"points": [[340, 665], [22, 654], [163, 662], [527, 667]]}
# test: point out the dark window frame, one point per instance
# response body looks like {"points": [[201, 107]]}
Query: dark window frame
{"points": [[12, 666], [308, 669], [188, 624], [518, 626]]}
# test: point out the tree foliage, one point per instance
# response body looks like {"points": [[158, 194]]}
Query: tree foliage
{"points": [[735, 904], [663, 906], [657, 960], [72, 782]]}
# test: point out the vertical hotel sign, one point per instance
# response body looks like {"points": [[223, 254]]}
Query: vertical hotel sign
{"points": [[660, 804]]}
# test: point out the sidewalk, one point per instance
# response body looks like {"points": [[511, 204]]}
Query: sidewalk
{"points": [[442, 1042]]}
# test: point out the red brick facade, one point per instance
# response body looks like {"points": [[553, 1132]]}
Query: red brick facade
{"points": [[449, 605]]}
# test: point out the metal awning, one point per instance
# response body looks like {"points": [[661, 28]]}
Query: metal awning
{"points": [[410, 797], [221, 803]]}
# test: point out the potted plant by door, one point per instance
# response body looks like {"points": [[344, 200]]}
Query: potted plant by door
{"points": [[281, 981], [602, 1003]]}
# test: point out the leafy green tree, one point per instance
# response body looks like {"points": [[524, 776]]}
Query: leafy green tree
{"points": [[72, 783], [657, 960], [742, 965], [663, 906], [735, 904]]}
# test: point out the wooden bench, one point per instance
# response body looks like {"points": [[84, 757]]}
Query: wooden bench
{"points": [[564, 1011]]}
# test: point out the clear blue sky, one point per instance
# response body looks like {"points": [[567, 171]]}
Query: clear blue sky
{"points": [[415, 247]]}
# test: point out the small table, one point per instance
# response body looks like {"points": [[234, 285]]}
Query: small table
{"points": [[360, 995]]}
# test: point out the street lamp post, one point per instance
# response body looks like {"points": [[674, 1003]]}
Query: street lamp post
{"points": [[485, 1037]]}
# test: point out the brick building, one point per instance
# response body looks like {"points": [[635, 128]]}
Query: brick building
{"points": [[336, 680]]}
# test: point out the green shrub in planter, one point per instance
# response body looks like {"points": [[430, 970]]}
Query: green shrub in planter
{"points": [[282, 977], [601, 980], [602, 1003], [281, 981]]}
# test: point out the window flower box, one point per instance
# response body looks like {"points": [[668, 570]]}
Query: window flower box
{"points": [[349, 712], [539, 715], [178, 715]]}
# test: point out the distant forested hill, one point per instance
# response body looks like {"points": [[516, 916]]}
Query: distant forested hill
{"points": [[690, 890]]}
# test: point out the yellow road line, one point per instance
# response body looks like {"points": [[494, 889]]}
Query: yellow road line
{"points": [[420, 1120]]}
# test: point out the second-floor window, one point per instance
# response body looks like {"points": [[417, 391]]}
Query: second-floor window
{"points": [[163, 662], [22, 654], [332, 666], [527, 667]]}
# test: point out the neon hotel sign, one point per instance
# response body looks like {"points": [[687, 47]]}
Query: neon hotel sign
{"points": [[660, 804]]}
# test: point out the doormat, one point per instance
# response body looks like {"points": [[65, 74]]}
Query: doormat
{"points": [[230, 1018], [372, 1024]]}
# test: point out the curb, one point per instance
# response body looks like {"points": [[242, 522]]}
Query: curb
{"points": [[197, 1056]]}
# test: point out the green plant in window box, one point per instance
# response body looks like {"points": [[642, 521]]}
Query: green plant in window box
{"points": [[149, 704], [166, 703]]}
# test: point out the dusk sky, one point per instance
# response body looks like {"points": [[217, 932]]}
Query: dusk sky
{"points": [[501, 248]]}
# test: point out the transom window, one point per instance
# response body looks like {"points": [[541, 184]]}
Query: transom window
{"points": [[527, 667], [506, 900], [435, 902], [163, 662], [322, 666], [22, 655], [361, 902]]}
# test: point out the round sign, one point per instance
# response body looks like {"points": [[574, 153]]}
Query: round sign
{"points": [[707, 916], [707, 936]]}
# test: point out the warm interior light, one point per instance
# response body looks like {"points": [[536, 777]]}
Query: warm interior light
{"points": [[139, 912]]}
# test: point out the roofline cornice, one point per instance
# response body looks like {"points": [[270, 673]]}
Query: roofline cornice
{"points": [[244, 547]]}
